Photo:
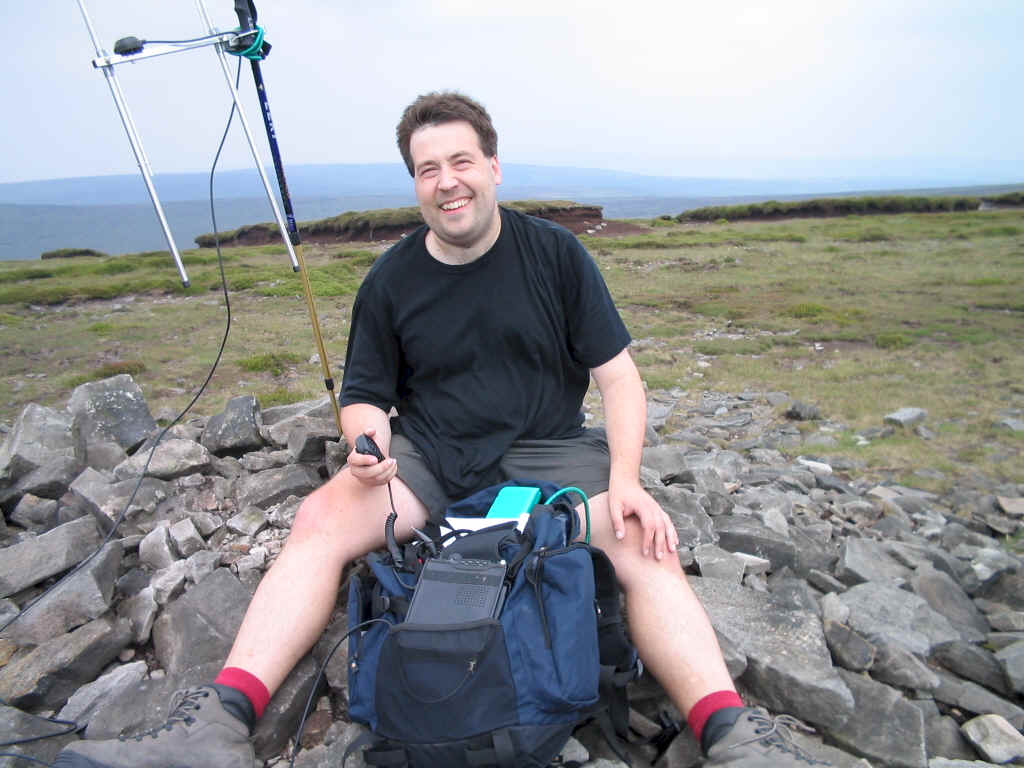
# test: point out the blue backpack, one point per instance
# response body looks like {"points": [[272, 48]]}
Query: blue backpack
{"points": [[505, 692]]}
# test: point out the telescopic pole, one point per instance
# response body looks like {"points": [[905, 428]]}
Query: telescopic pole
{"points": [[246, 12]]}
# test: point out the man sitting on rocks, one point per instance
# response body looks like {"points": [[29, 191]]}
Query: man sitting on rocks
{"points": [[482, 328]]}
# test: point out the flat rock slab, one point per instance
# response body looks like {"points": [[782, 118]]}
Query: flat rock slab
{"points": [[906, 417], [947, 597], [278, 724], [886, 727], [236, 429], [53, 671], [33, 512], [331, 754], [16, 725], [113, 409], [319, 408], [865, 560], [788, 663], [1011, 658], [39, 437], [737, 533], [995, 738], [173, 457], [274, 485], [850, 650], [201, 625], [107, 500], [83, 703], [879, 610], [664, 460], [971, 697], [972, 662], [1013, 506], [46, 555], [306, 439], [80, 598]]}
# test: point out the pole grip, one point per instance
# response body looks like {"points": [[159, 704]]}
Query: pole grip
{"points": [[246, 13]]}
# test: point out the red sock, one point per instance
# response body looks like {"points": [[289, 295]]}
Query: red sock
{"points": [[247, 683], [707, 706]]}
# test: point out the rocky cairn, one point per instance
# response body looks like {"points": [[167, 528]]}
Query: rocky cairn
{"points": [[888, 619]]}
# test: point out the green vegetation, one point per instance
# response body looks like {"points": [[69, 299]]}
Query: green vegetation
{"points": [[806, 310], [547, 207], [891, 340], [131, 367], [859, 314], [1015, 543], [359, 257], [690, 238], [364, 225], [271, 362], [831, 206], [69, 253], [283, 396], [1010, 198], [259, 268]]}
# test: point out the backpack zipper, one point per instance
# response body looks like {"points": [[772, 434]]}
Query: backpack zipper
{"points": [[535, 574]]}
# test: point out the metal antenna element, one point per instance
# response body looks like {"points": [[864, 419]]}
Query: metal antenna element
{"points": [[219, 40], [134, 140]]}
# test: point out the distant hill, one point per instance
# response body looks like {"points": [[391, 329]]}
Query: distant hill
{"points": [[113, 213], [392, 180]]}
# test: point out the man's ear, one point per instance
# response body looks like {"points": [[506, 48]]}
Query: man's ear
{"points": [[496, 169]]}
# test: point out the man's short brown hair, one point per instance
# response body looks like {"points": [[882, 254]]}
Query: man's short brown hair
{"points": [[440, 107]]}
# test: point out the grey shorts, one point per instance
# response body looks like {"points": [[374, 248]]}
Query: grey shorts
{"points": [[582, 462]]}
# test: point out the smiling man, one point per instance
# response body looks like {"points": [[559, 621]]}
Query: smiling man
{"points": [[455, 187], [482, 329]]}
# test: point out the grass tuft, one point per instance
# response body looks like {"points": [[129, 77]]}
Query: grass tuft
{"points": [[831, 207], [806, 310], [281, 396], [892, 341], [270, 362], [71, 253], [131, 367]]}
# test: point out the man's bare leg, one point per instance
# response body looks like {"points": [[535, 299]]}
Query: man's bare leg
{"points": [[337, 523], [210, 726], [667, 623]]}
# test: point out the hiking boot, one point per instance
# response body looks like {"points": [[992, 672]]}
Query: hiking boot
{"points": [[758, 740], [200, 732]]}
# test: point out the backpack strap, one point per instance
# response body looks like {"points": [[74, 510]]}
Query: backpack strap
{"points": [[386, 758], [609, 730], [501, 755], [620, 664], [616, 650], [662, 740], [376, 753]]}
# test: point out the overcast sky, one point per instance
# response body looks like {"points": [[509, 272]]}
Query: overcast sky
{"points": [[792, 88]]}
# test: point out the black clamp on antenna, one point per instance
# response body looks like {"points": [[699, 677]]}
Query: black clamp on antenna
{"points": [[251, 45]]}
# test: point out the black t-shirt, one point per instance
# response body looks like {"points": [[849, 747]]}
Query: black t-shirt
{"points": [[477, 356]]}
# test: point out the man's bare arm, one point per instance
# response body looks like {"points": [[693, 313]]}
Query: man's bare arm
{"points": [[625, 410], [363, 418]]}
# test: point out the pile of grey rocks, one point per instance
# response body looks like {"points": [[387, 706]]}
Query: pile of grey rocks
{"points": [[888, 619]]}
